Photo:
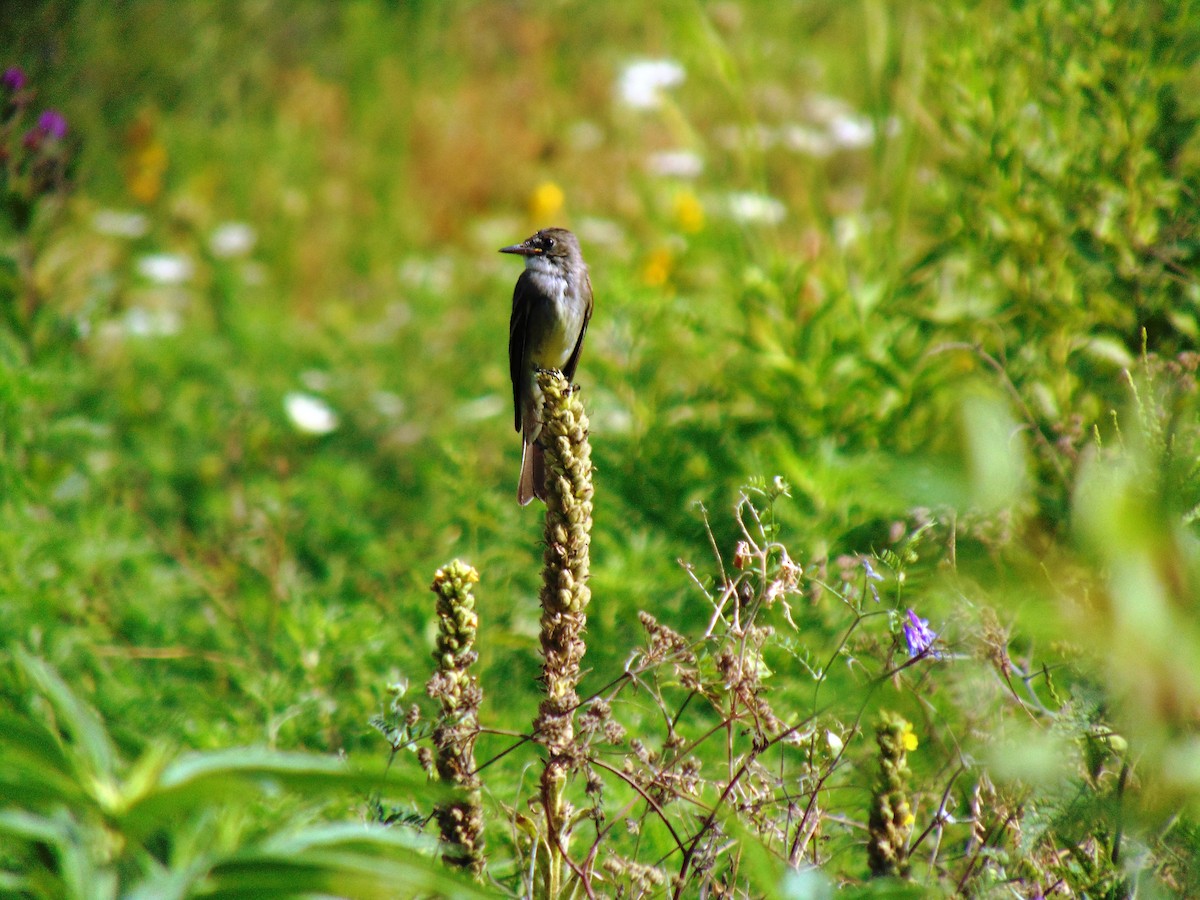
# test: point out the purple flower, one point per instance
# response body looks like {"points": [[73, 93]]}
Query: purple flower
{"points": [[919, 637], [13, 79], [52, 124], [872, 575]]}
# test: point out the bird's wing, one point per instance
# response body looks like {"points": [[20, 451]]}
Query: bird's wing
{"points": [[518, 332]]}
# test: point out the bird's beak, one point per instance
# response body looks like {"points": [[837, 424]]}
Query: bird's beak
{"points": [[522, 250]]}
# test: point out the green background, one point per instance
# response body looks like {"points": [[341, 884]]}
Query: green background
{"points": [[936, 272]]}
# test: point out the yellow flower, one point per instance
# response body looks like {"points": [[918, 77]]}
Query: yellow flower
{"points": [[145, 160], [908, 820], [546, 202], [689, 212], [908, 738], [657, 269]]}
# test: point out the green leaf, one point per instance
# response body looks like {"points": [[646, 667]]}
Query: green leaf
{"points": [[83, 726], [267, 875], [197, 779], [26, 826], [33, 766]]}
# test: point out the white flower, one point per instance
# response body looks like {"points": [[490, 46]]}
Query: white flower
{"points": [[756, 209], [844, 128], [232, 239], [680, 163], [165, 268], [120, 223], [851, 131], [642, 83], [309, 414]]}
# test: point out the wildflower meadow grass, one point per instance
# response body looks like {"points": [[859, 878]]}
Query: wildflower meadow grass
{"points": [[870, 564]]}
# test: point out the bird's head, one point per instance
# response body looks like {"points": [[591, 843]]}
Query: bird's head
{"points": [[551, 244]]}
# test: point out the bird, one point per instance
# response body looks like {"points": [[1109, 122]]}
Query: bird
{"points": [[551, 308]]}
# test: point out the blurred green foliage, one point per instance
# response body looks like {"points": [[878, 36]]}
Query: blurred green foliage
{"points": [[936, 269]]}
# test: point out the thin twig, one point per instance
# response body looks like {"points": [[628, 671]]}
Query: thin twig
{"points": [[662, 814]]}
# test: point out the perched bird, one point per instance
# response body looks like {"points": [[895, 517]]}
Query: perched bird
{"points": [[552, 304]]}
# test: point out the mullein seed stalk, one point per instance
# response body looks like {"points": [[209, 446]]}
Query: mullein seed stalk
{"points": [[564, 598], [457, 689], [891, 821]]}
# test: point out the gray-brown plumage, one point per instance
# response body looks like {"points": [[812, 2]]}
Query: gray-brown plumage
{"points": [[552, 304]]}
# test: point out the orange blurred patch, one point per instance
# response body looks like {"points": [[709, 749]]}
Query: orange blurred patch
{"points": [[545, 203], [145, 159], [658, 267], [688, 212]]}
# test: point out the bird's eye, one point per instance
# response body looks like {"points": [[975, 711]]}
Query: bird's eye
{"points": [[549, 243]]}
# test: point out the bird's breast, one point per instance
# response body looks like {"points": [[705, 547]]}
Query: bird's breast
{"points": [[555, 320]]}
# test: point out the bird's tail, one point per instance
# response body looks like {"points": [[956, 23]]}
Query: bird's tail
{"points": [[533, 473]]}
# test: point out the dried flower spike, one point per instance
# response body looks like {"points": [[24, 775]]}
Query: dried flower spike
{"points": [[458, 692], [565, 596], [891, 820]]}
